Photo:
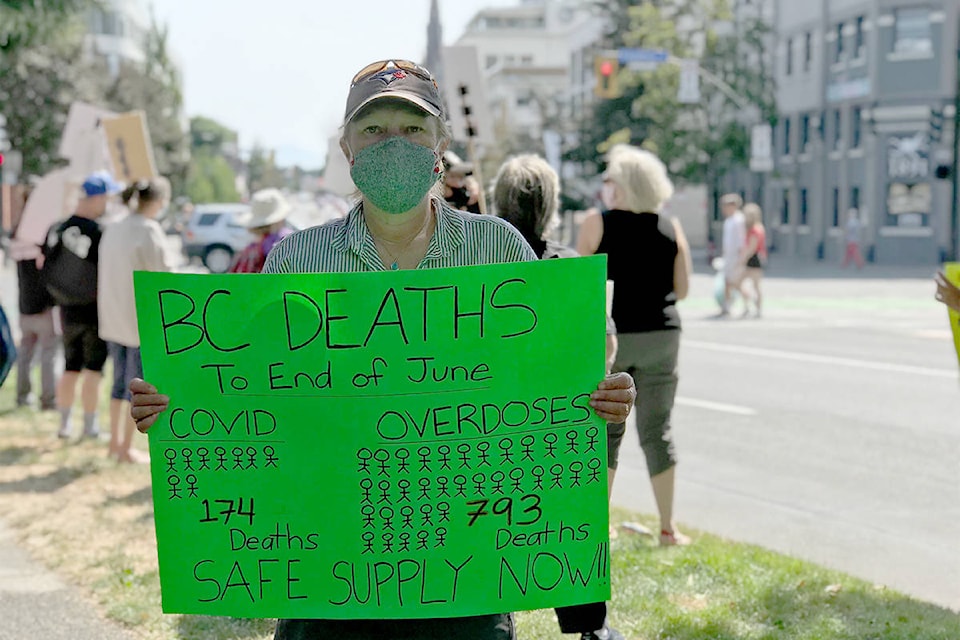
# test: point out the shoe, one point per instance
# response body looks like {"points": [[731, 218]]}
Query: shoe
{"points": [[604, 633], [673, 539], [91, 434], [64, 432]]}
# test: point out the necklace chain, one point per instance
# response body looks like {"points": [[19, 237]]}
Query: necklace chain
{"points": [[395, 259]]}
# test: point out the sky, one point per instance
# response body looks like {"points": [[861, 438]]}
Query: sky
{"points": [[278, 71]]}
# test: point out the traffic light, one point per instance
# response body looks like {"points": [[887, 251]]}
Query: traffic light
{"points": [[606, 69], [936, 124]]}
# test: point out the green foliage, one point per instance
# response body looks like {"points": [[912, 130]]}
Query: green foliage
{"points": [[262, 171], [697, 142], [37, 85], [23, 23], [719, 590], [155, 87], [209, 135], [211, 179]]}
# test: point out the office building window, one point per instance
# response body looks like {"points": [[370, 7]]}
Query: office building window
{"points": [[786, 136], [807, 51], [789, 62], [804, 133], [855, 197], [822, 127], [836, 206], [859, 42], [837, 129], [785, 208], [838, 50], [856, 127], [911, 32], [804, 207]]}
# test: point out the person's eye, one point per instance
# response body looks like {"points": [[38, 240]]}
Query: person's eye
{"points": [[373, 129], [415, 128]]}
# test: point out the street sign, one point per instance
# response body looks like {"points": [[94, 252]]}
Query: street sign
{"points": [[761, 148], [689, 92], [642, 59]]}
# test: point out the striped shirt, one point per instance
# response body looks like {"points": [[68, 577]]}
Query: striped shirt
{"points": [[345, 245]]}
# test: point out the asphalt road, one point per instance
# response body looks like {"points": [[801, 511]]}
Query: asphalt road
{"points": [[829, 429]]}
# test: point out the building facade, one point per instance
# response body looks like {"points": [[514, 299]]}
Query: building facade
{"points": [[865, 99], [116, 30], [526, 55]]}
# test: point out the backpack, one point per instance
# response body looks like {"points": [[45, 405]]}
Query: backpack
{"points": [[71, 280]]}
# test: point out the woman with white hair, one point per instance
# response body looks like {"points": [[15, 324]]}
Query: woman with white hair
{"points": [[648, 260]]}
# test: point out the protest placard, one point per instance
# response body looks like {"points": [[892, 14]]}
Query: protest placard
{"points": [[379, 445], [952, 271]]}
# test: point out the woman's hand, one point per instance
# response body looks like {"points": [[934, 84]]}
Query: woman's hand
{"points": [[947, 292], [614, 397], [146, 404]]}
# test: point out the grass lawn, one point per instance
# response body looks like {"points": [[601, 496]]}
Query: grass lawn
{"points": [[91, 521]]}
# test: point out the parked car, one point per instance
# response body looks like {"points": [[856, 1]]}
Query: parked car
{"points": [[215, 233]]}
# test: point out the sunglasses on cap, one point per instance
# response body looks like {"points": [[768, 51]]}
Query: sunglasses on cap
{"points": [[383, 65]]}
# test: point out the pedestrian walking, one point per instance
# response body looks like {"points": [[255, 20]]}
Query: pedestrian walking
{"points": [[134, 243], [394, 135], [70, 258], [753, 258], [853, 237], [734, 239], [648, 260], [526, 193]]}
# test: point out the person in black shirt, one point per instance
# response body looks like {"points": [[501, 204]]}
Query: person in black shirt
{"points": [[70, 255], [648, 259]]}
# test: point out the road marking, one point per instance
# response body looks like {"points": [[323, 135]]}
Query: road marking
{"points": [[715, 406], [821, 359]]}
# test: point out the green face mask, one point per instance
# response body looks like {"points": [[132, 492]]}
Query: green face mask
{"points": [[395, 174]]}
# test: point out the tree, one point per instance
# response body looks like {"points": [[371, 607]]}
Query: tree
{"points": [[211, 179], [23, 23], [262, 170], [155, 87], [697, 142], [38, 82]]}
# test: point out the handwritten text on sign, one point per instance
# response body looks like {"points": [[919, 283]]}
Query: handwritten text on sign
{"points": [[379, 445]]}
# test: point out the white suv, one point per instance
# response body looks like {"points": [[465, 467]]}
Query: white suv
{"points": [[215, 232]]}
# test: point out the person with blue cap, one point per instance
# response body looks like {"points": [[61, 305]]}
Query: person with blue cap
{"points": [[70, 256]]}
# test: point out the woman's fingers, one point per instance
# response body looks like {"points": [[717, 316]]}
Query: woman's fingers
{"points": [[146, 404], [614, 397]]}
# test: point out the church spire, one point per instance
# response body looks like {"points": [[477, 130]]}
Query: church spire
{"points": [[434, 59]]}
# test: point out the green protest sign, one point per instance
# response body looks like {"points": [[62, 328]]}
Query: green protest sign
{"points": [[379, 445]]}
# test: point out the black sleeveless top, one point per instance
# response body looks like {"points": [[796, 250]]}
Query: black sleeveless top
{"points": [[641, 250]]}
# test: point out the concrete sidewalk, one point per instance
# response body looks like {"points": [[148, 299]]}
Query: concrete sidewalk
{"points": [[36, 605]]}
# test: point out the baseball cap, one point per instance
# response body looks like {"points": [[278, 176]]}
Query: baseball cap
{"points": [[399, 79], [100, 183]]}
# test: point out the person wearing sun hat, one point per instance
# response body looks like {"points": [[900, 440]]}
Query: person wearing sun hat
{"points": [[269, 210], [394, 135]]}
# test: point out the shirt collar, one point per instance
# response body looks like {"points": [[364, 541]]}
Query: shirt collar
{"points": [[449, 235]]}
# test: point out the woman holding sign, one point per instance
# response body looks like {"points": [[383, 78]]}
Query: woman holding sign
{"points": [[394, 136]]}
